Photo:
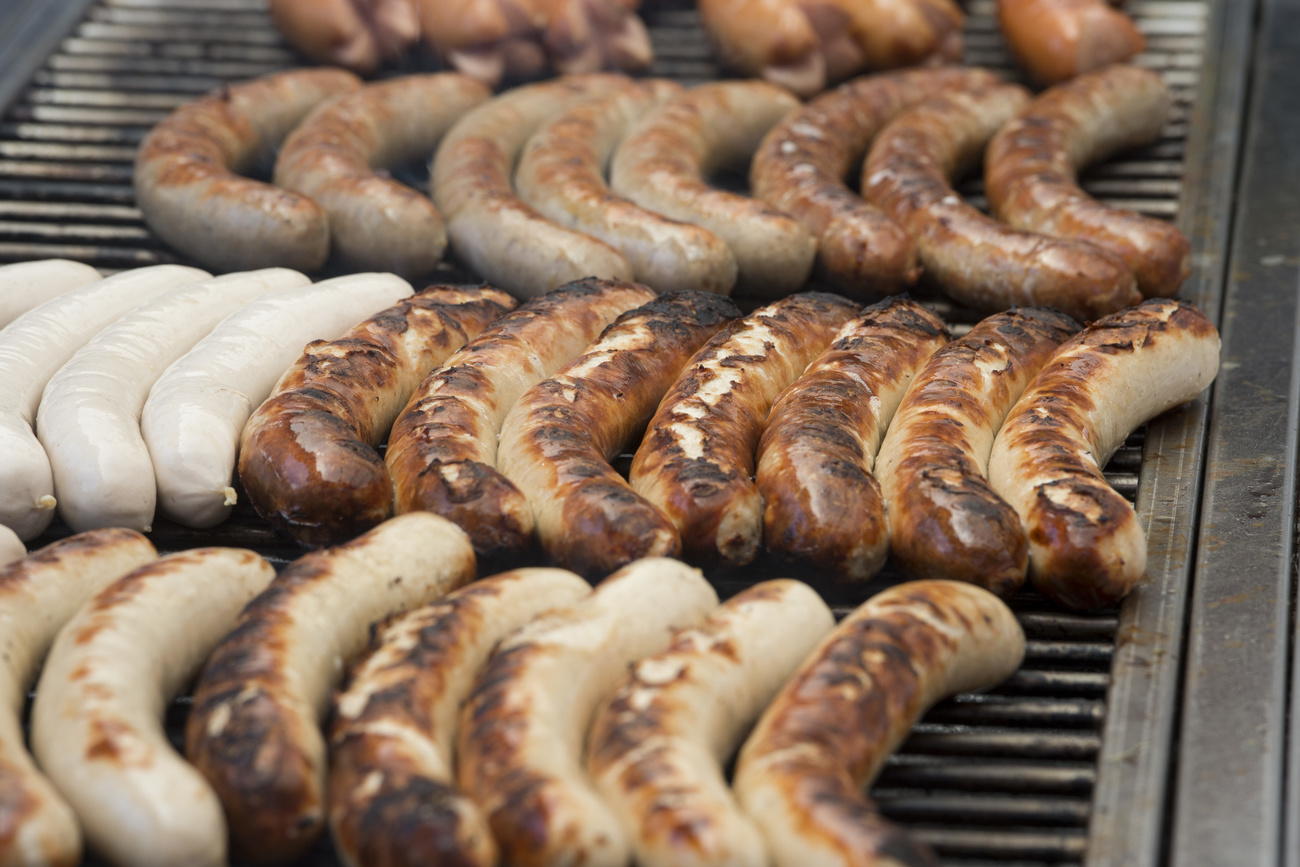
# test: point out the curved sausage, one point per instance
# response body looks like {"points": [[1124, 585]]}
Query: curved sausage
{"points": [[523, 726], [659, 741], [802, 773], [11, 547], [337, 157], [697, 458], [307, 455], [663, 163], [557, 443], [945, 520], [39, 594], [188, 184], [254, 728], [358, 34], [442, 452], [393, 800], [1059, 39], [821, 504], [976, 260], [1032, 164], [97, 723], [24, 285], [802, 162], [1087, 548], [562, 173]]}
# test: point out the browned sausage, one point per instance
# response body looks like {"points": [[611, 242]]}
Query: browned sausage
{"points": [[1059, 39], [307, 455], [357, 34]]}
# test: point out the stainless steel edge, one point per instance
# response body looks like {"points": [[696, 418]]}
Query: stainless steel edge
{"points": [[29, 30]]}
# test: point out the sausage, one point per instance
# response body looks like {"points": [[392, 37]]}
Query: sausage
{"points": [[696, 461], [1058, 39], [802, 773], [358, 34], [97, 722], [24, 285], [32, 348], [660, 739], [11, 547], [89, 417], [1032, 164], [339, 155], [945, 520], [821, 504], [490, 228], [976, 260], [562, 173], [801, 164], [187, 175], [393, 799], [307, 455], [254, 728], [663, 163], [197, 409], [39, 594], [442, 452], [1087, 548], [523, 726], [557, 443]]}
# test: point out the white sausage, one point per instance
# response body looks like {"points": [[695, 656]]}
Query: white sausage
{"points": [[25, 285], [11, 547]]}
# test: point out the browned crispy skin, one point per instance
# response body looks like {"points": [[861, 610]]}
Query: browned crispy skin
{"points": [[557, 443], [1032, 164], [975, 259], [1058, 39], [358, 34], [801, 165], [821, 504], [307, 456]]}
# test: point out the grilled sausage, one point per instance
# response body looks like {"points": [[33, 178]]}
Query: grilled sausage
{"points": [[97, 723], [336, 157], [39, 594], [24, 285], [663, 162], [802, 772], [821, 504], [188, 184], [393, 799], [442, 453], [493, 230], [1086, 546], [254, 730], [945, 520], [562, 174], [697, 459], [32, 348], [976, 260], [660, 739], [358, 34], [1059, 39], [307, 455], [1031, 170], [802, 162], [557, 443], [523, 726]]}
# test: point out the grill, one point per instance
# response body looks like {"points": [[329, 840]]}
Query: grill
{"points": [[1074, 758]]}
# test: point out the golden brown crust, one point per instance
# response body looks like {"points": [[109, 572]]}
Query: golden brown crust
{"points": [[307, 456], [821, 504], [976, 260], [1058, 39]]}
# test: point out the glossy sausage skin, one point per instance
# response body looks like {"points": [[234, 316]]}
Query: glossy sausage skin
{"points": [[1058, 39], [358, 34]]}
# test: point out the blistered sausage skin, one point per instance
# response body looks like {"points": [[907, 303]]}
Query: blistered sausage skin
{"points": [[557, 443], [821, 504], [338, 155], [358, 34], [254, 728], [307, 455], [696, 461], [665, 160], [660, 740], [802, 162], [1058, 39], [188, 184], [562, 173], [1087, 548], [802, 773], [945, 520], [1032, 164], [978, 261], [393, 797], [442, 452]]}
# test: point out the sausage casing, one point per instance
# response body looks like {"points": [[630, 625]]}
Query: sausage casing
{"points": [[1058, 39]]}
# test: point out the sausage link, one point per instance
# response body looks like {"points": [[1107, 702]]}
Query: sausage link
{"points": [[26, 285], [358, 35], [1058, 39]]}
